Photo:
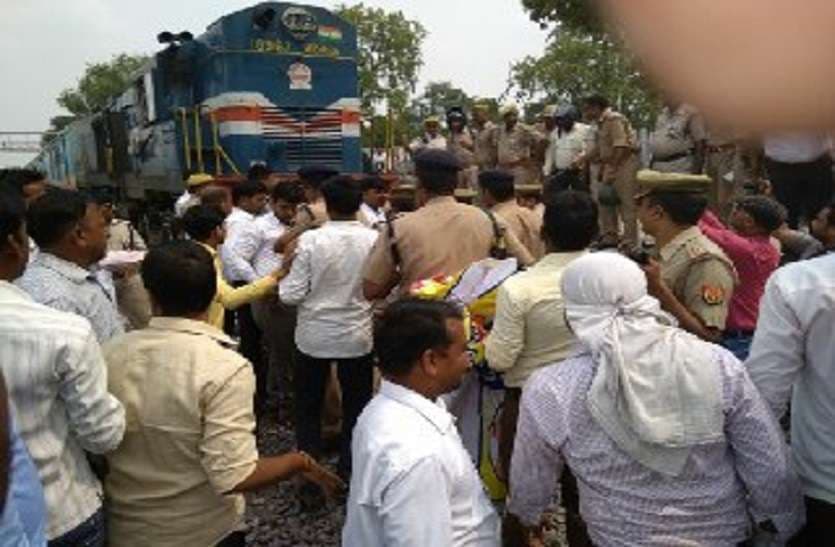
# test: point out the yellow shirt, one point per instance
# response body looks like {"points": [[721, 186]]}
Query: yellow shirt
{"points": [[529, 330], [189, 435], [230, 298]]}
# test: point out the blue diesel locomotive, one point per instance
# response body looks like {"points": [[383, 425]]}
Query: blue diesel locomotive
{"points": [[275, 84]]}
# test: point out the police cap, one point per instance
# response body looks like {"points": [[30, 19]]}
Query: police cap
{"points": [[199, 179], [481, 104], [655, 182], [508, 108], [549, 111], [433, 159]]}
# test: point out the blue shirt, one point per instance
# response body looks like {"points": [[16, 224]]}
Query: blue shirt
{"points": [[23, 522]]}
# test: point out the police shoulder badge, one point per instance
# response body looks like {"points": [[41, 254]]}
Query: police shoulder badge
{"points": [[713, 295]]}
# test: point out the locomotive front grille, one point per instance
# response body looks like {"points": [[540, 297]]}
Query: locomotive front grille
{"points": [[307, 135]]}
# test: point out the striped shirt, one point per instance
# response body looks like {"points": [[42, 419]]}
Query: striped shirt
{"points": [[625, 503], [65, 286], [57, 384]]}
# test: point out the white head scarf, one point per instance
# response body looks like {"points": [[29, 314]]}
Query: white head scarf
{"points": [[657, 390]]}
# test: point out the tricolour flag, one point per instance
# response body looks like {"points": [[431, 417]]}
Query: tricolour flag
{"points": [[333, 34]]}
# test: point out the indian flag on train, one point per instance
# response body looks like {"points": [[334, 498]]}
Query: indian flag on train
{"points": [[333, 34]]}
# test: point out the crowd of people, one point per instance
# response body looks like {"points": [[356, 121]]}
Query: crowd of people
{"points": [[648, 346]]}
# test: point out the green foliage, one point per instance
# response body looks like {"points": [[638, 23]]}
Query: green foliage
{"points": [[578, 15], [582, 57], [437, 98], [374, 134], [100, 83], [390, 56], [56, 124]]}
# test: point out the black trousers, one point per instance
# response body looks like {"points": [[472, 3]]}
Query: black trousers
{"points": [[567, 179], [251, 347], [310, 379], [803, 188]]}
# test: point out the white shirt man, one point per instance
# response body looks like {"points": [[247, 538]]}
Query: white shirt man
{"points": [[414, 484], [266, 260], [57, 382], [564, 148], [792, 357], [334, 320], [239, 248], [325, 282]]}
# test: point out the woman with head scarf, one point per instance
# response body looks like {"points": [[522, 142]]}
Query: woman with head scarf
{"points": [[669, 440]]}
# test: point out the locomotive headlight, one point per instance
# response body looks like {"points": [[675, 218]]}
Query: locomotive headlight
{"points": [[263, 19]]}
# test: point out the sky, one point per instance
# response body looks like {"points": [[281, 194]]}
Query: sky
{"points": [[45, 44]]}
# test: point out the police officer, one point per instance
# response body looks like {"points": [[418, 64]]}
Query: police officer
{"points": [[692, 277], [461, 143], [482, 130], [515, 146], [431, 138], [616, 150], [441, 237], [545, 124], [721, 159], [678, 141], [499, 195]]}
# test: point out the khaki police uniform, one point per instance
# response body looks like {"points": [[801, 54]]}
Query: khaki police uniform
{"points": [[614, 131], [132, 299], [673, 142], [124, 237], [515, 152], [485, 152], [700, 275], [721, 157], [525, 224], [695, 269], [462, 145], [441, 238]]}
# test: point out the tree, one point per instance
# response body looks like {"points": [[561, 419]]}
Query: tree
{"points": [[583, 56], [578, 15], [437, 98], [100, 83], [390, 57], [576, 65], [56, 124]]}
